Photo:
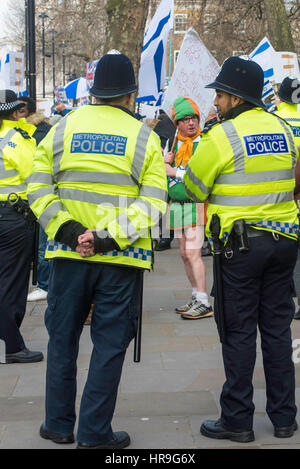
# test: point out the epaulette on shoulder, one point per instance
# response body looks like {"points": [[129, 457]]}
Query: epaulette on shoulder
{"points": [[208, 127], [22, 132]]}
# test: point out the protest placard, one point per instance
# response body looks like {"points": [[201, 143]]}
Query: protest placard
{"points": [[195, 68], [12, 71], [286, 65], [44, 105]]}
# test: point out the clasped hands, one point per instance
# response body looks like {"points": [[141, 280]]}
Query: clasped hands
{"points": [[85, 246]]}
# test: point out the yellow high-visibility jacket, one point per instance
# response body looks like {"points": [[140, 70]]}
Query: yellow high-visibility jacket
{"points": [[101, 167], [247, 172], [16, 157]]}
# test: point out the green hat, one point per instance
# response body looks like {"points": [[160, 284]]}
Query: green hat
{"points": [[183, 107]]}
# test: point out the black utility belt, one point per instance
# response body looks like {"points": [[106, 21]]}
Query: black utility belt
{"points": [[241, 233], [253, 232], [20, 206]]}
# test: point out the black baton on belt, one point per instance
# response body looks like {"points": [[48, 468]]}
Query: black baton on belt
{"points": [[138, 335], [35, 253], [22, 207], [215, 229]]}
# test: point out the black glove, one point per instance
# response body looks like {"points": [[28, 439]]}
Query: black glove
{"points": [[104, 242], [68, 233]]}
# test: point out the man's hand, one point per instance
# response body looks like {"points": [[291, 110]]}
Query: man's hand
{"points": [[85, 245], [90, 243], [169, 157], [170, 170]]}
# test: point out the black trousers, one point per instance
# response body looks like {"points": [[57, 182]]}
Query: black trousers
{"points": [[16, 252], [115, 292], [258, 290]]}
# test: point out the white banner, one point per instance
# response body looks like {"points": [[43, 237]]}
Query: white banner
{"points": [[44, 105], [12, 71], [195, 68]]}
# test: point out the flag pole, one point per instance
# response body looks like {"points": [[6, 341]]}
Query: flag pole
{"points": [[170, 56]]}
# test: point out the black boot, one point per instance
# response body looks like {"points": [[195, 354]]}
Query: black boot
{"points": [[216, 429]]}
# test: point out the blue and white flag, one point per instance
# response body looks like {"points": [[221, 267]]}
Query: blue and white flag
{"points": [[267, 90], [77, 89], [152, 73], [263, 54]]}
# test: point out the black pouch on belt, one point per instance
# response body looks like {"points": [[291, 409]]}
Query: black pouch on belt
{"points": [[21, 207], [241, 236]]}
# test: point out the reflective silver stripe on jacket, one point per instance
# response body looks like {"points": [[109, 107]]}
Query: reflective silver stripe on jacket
{"points": [[40, 178], [6, 173], [140, 152], [49, 213], [32, 197], [266, 176], [237, 146], [16, 188], [94, 197], [193, 196], [248, 200], [154, 192], [118, 179], [195, 180], [128, 228], [58, 145]]}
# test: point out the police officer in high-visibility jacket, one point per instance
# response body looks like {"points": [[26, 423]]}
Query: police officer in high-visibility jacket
{"points": [[17, 148], [98, 169], [248, 176], [288, 104], [288, 107]]}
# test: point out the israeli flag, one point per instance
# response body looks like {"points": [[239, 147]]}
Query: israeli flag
{"points": [[263, 54], [267, 90], [77, 89], [152, 73]]}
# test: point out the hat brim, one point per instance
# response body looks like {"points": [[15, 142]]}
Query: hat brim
{"points": [[111, 93], [220, 86], [16, 105]]}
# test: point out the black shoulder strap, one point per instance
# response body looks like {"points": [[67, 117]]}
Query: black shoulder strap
{"points": [[22, 132]]}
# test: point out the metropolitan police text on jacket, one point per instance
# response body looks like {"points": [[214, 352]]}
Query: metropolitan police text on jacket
{"points": [[99, 143]]}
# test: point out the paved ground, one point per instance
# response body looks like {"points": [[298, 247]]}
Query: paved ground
{"points": [[162, 400]]}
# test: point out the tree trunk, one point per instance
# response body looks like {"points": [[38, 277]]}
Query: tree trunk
{"points": [[278, 25], [125, 28]]}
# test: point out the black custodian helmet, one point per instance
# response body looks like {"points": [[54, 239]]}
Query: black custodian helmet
{"points": [[242, 78], [289, 90], [114, 76]]}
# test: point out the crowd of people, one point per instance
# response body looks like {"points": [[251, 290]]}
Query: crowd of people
{"points": [[96, 181]]}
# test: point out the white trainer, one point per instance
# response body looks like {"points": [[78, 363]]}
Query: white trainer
{"points": [[37, 295]]}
